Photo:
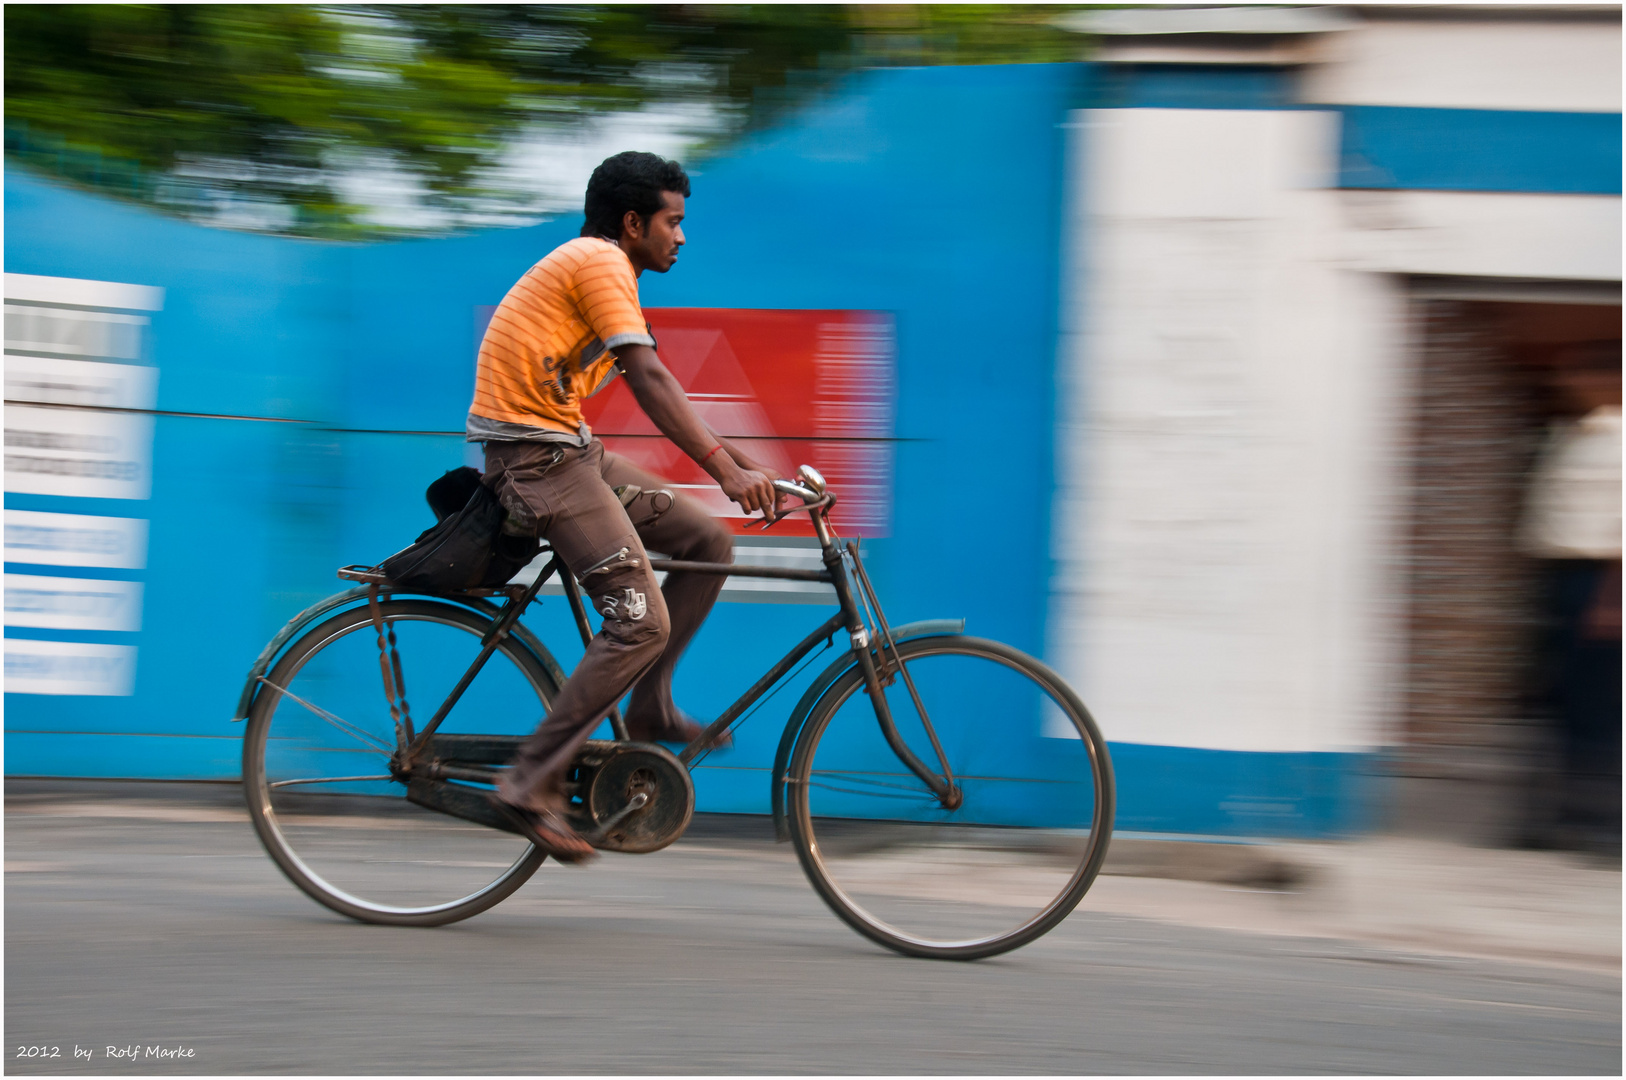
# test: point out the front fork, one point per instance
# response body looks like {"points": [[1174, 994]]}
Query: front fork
{"points": [[942, 785]]}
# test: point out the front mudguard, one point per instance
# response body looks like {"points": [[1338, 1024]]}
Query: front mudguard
{"points": [[338, 601], [827, 678]]}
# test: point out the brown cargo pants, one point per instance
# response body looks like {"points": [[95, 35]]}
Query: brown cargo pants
{"points": [[564, 495]]}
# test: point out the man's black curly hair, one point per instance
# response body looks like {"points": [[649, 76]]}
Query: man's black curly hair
{"points": [[629, 181]]}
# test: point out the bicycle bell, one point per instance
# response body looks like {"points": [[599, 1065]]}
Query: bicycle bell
{"points": [[810, 478]]}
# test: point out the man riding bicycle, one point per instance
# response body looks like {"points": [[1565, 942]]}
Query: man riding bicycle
{"points": [[567, 327]]}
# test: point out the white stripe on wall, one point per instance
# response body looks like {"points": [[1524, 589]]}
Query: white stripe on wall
{"points": [[83, 292]]}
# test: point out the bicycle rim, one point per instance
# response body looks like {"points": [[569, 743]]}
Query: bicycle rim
{"points": [[316, 772], [1002, 868]]}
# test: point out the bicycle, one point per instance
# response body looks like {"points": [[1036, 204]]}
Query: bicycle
{"points": [[981, 851]]}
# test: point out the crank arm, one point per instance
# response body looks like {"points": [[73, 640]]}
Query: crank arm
{"points": [[634, 804]]}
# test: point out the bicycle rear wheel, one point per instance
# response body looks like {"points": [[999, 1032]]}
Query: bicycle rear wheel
{"points": [[1000, 869], [316, 765]]}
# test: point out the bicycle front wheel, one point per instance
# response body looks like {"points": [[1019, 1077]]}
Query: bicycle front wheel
{"points": [[1002, 867], [316, 765]]}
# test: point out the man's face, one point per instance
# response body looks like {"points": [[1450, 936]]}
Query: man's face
{"points": [[652, 243]]}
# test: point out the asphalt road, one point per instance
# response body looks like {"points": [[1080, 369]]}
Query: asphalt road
{"points": [[158, 922]]}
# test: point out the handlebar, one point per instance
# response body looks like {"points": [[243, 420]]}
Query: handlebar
{"points": [[814, 499], [807, 495]]}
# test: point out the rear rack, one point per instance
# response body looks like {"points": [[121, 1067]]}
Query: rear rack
{"points": [[371, 575]]}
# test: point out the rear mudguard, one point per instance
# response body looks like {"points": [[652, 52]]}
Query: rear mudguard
{"points": [[827, 678], [298, 623]]}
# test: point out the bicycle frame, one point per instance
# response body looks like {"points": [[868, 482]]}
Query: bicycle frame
{"points": [[856, 599]]}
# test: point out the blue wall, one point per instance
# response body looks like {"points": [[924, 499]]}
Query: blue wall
{"points": [[308, 391], [1480, 150], [1398, 147], [1193, 86]]}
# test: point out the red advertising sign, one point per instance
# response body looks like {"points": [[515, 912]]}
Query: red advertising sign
{"points": [[790, 387]]}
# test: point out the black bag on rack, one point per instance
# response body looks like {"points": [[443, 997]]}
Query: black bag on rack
{"points": [[466, 548], [451, 492]]}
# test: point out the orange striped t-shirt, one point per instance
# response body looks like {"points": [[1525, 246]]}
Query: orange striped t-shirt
{"points": [[548, 345]]}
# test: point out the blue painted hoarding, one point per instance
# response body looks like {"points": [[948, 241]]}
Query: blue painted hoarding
{"points": [[307, 392]]}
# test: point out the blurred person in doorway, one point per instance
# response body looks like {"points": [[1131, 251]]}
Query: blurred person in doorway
{"points": [[566, 328], [1572, 521]]}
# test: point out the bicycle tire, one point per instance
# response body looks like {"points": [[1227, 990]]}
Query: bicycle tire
{"points": [[941, 860], [397, 822]]}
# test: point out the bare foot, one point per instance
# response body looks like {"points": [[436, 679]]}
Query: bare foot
{"points": [[547, 830]]}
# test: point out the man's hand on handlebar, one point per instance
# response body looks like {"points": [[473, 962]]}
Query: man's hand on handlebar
{"points": [[770, 500], [752, 488]]}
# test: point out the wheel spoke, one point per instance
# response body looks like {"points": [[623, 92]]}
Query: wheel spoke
{"points": [[970, 776], [862, 778], [343, 725], [921, 796], [326, 780]]}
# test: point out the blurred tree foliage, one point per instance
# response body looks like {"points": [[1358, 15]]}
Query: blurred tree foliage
{"points": [[192, 107]]}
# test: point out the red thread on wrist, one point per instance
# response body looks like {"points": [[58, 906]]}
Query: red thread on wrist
{"points": [[710, 452]]}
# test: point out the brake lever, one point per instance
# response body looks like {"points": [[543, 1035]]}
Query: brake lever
{"points": [[817, 504], [769, 522]]}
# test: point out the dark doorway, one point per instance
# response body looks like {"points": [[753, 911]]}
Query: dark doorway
{"points": [[1481, 755]]}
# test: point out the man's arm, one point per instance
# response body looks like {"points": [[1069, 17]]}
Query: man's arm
{"points": [[667, 406], [742, 459]]}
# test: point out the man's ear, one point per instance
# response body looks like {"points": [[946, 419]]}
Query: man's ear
{"points": [[632, 224]]}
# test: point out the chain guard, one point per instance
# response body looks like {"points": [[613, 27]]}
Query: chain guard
{"points": [[605, 777]]}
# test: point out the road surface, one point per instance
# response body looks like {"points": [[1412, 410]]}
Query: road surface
{"points": [[155, 920]]}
